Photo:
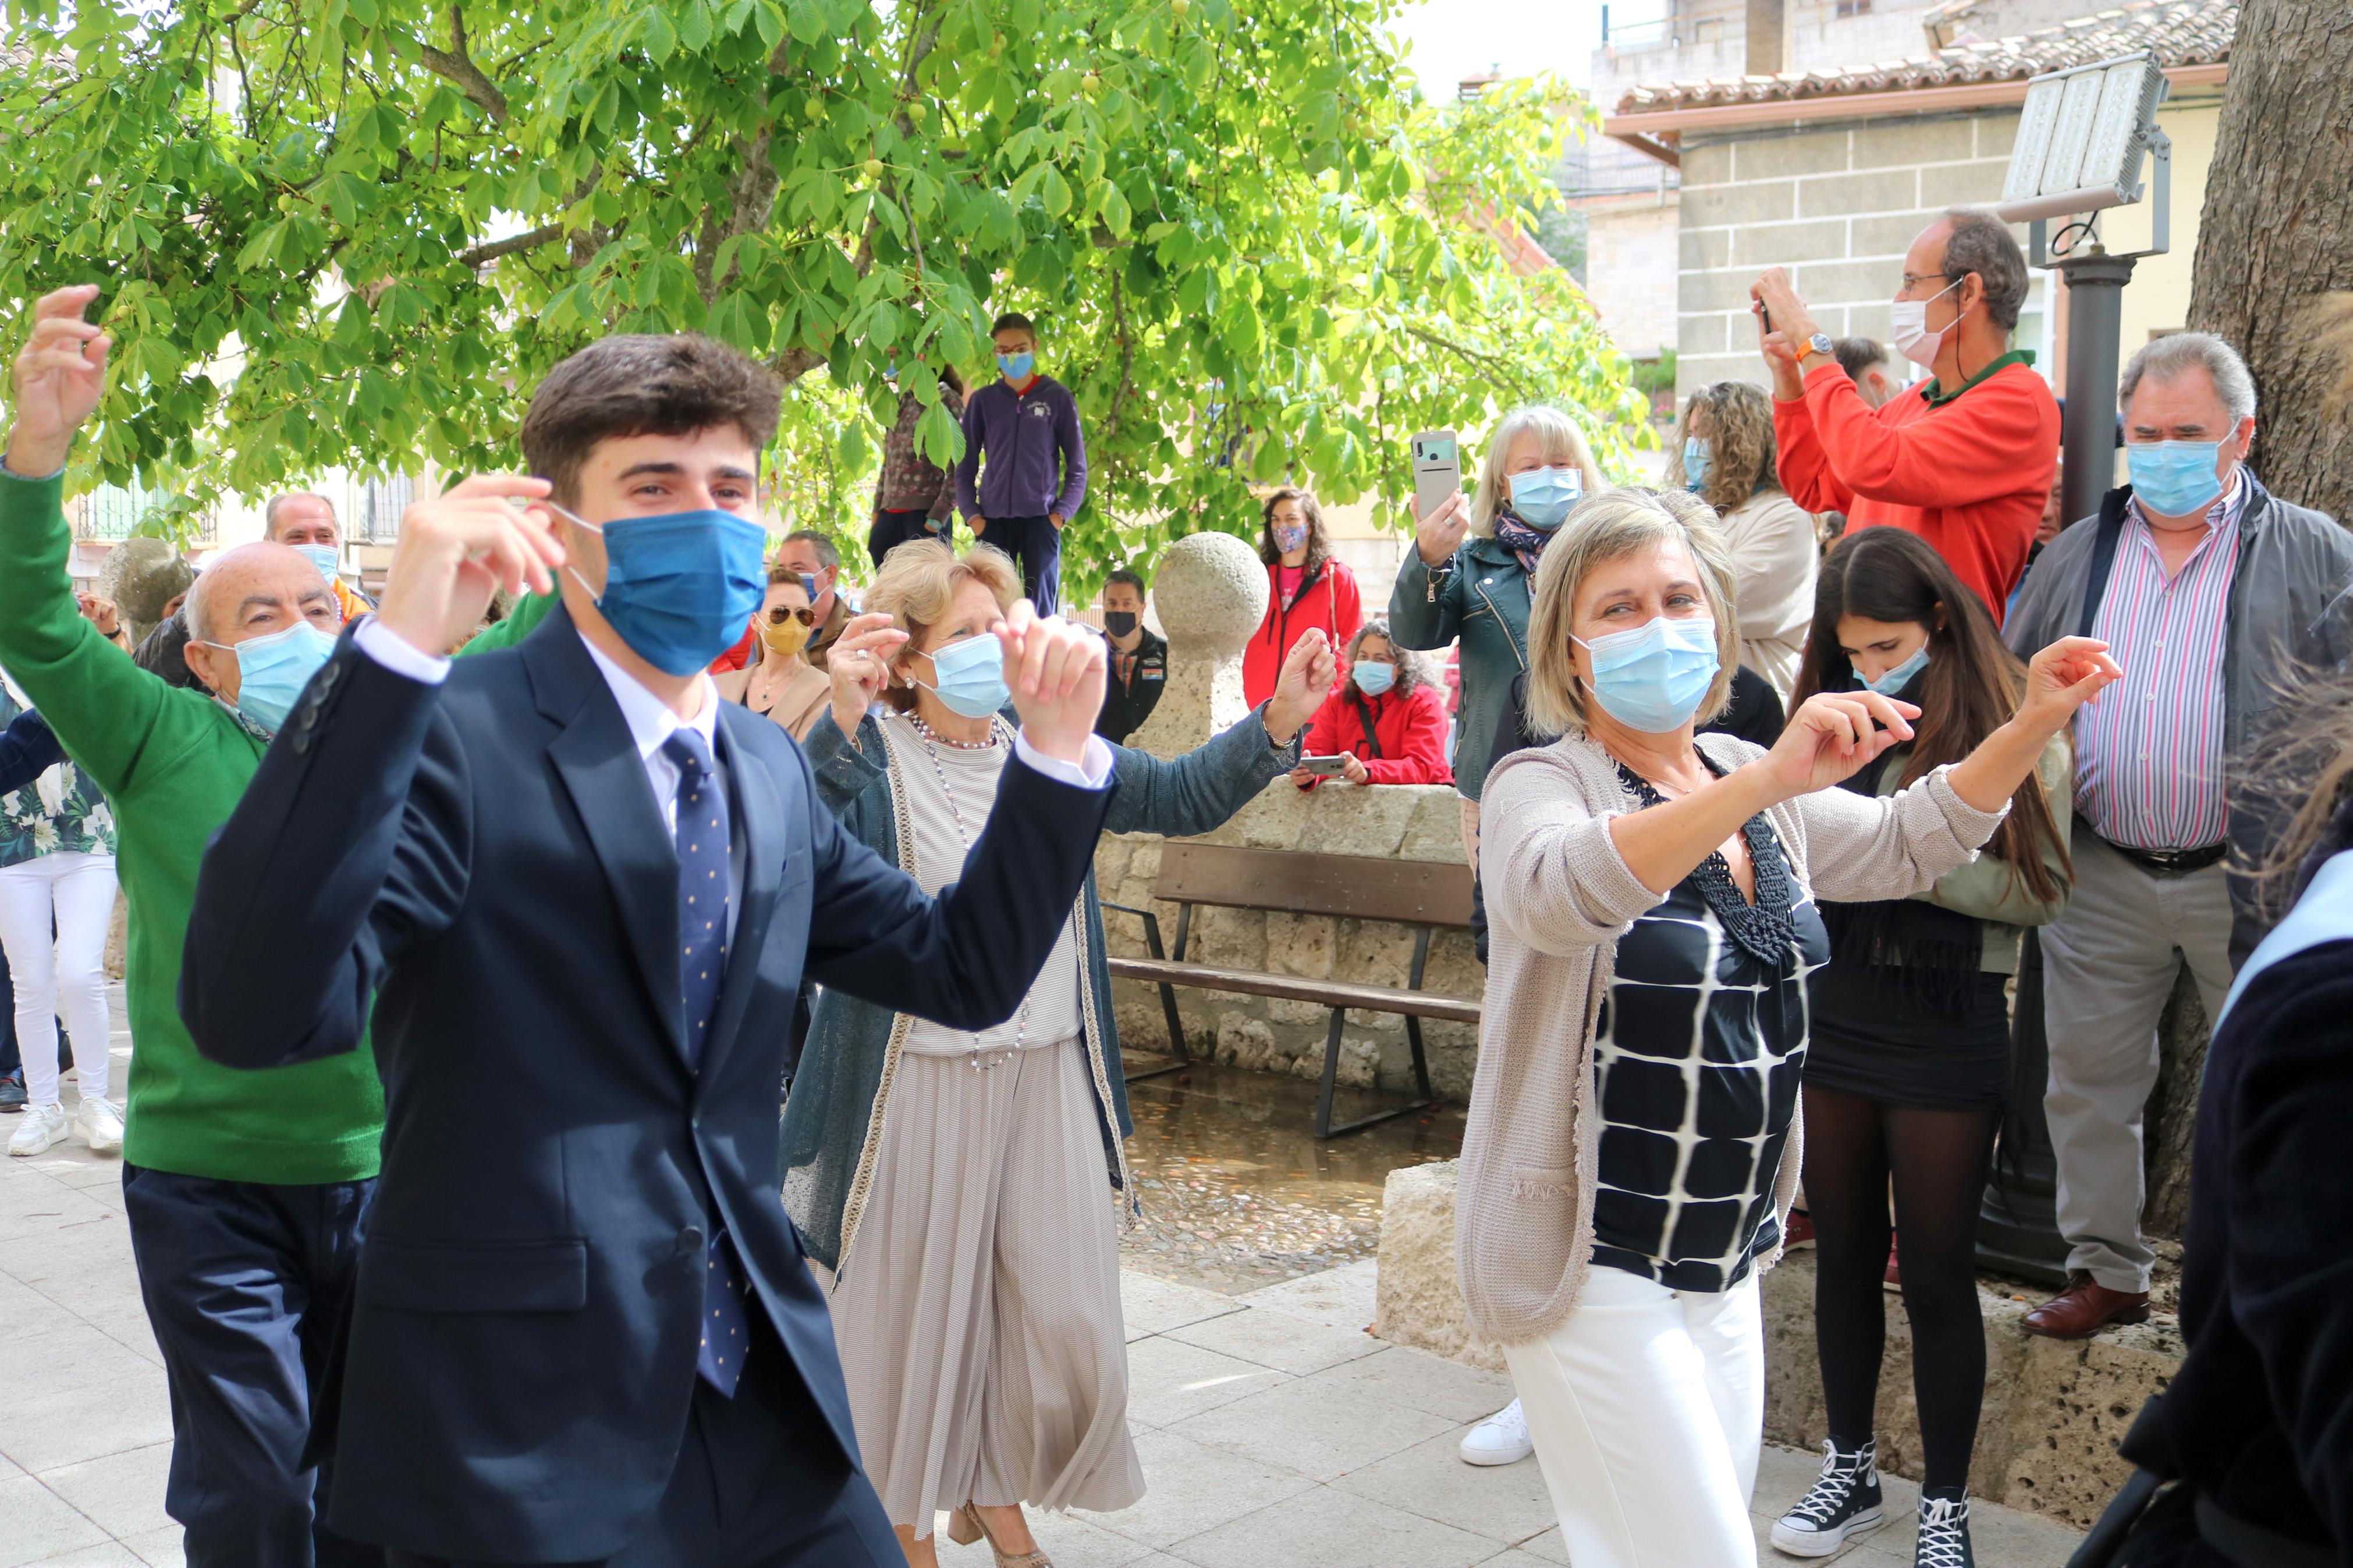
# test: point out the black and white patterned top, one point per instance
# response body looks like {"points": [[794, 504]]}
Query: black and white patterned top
{"points": [[1696, 1058]]}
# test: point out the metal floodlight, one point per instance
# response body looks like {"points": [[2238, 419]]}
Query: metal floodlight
{"points": [[2081, 138]]}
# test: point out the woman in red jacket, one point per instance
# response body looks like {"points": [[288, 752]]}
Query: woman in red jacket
{"points": [[1388, 718], [1305, 587]]}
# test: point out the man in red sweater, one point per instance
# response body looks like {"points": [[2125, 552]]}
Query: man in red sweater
{"points": [[1964, 459]]}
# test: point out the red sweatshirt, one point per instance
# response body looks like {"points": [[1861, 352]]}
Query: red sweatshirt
{"points": [[1968, 473], [1329, 600], [1412, 730]]}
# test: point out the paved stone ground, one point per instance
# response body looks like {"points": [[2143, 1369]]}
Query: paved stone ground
{"points": [[1275, 1432]]}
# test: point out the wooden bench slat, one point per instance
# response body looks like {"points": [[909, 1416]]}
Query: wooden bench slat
{"points": [[1298, 988], [1354, 887]]}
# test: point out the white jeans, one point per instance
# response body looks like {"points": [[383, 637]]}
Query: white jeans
{"points": [[1647, 1408], [77, 888]]}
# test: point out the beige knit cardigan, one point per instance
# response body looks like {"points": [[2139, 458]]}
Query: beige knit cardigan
{"points": [[1558, 898]]}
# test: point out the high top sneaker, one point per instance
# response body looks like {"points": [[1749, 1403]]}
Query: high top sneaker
{"points": [[1844, 1503], [1944, 1530]]}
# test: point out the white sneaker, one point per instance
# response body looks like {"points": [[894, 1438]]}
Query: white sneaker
{"points": [[99, 1123], [43, 1128], [1500, 1439]]}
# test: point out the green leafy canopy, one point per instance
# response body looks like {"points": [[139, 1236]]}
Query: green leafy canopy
{"points": [[358, 233]]}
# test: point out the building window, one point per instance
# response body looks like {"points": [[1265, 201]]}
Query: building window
{"points": [[116, 513], [1853, 8], [376, 508]]}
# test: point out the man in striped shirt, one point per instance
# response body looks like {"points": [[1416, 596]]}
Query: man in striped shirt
{"points": [[2200, 581]]}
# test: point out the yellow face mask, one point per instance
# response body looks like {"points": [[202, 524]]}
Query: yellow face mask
{"points": [[786, 639]]}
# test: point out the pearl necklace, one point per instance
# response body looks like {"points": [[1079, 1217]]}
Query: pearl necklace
{"points": [[932, 740]]}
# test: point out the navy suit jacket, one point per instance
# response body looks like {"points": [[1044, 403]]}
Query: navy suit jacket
{"points": [[484, 862]]}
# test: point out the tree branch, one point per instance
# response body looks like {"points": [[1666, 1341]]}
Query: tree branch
{"points": [[458, 69], [490, 251]]}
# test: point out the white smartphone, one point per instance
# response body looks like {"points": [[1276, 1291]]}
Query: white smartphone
{"points": [[1436, 471], [1324, 767]]}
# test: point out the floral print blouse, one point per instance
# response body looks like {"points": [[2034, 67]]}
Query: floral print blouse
{"points": [[61, 810]]}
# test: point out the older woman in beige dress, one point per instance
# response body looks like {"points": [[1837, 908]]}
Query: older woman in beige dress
{"points": [[964, 1187]]}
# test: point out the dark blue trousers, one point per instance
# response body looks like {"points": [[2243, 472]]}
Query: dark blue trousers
{"points": [[749, 1490], [1037, 544], [246, 1285], [892, 528]]}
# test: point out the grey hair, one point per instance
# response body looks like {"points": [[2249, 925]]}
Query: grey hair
{"points": [[1981, 243], [828, 556], [2169, 356], [1563, 442], [1605, 528], [192, 609], [1413, 668], [277, 503]]}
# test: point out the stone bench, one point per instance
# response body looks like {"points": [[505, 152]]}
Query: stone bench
{"points": [[2054, 1411]]}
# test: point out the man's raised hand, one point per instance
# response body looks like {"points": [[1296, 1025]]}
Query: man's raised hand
{"points": [[60, 374], [458, 550], [1300, 687], [1057, 673]]}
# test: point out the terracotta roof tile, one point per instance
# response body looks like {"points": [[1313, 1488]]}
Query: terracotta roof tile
{"points": [[2182, 32]]}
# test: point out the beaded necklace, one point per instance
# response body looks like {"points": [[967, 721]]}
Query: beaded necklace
{"points": [[933, 740]]}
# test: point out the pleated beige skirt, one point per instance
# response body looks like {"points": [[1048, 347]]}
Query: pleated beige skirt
{"points": [[978, 1310]]}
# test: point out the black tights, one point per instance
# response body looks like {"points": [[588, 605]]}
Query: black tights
{"points": [[1938, 1159]]}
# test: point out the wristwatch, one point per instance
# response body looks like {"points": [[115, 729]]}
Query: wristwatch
{"points": [[1819, 344]]}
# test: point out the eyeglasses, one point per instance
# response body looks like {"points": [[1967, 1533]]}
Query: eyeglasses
{"points": [[780, 615], [1914, 279]]}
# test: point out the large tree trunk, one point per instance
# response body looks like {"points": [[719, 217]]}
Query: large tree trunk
{"points": [[2278, 233]]}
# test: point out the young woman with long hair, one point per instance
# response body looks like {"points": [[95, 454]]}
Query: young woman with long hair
{"points": [[1306, 586], [1909, 1062]]}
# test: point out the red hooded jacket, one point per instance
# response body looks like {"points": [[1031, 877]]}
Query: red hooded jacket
{"points": [[1328, 598], [1410, 733]]}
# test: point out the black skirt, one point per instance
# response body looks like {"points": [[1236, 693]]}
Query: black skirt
{"points": [[1871, 1036]]}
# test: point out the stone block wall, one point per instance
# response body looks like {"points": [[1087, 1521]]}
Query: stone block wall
{"points": [[1835, 203], [1401, 822], [2053, 1411]]}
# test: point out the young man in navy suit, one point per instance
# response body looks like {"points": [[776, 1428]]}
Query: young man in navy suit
{"points": [[580, 894]]}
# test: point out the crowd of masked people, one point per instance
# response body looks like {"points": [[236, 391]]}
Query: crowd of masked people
{"points": [[469, 947]]}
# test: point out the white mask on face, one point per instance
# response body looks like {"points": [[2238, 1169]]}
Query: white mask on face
{"points": [[1907, 327]]}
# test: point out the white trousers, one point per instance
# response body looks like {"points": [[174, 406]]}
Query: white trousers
{"points": [[1647, 1408], [75, 888]]}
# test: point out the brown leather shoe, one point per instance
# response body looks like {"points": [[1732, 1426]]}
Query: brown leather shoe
{"points": [[2084, 1308]]}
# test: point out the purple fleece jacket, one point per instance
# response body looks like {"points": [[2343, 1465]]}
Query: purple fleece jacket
{"points": [[1037, 459]]}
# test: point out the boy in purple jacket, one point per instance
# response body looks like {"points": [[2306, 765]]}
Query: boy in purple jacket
{"points": [[1037, 462]]}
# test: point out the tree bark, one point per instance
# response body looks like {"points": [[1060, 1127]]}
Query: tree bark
{"points": [[2277, 234]]}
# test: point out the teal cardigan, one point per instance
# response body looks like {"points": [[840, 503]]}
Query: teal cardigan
{"points": [[1482, 596], [833, 1116]]}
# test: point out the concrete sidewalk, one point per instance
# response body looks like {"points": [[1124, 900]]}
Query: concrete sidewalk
{"points": [[1275, 1432]]}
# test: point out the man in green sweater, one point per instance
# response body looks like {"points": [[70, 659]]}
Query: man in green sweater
{"points": [[245, 1191]]}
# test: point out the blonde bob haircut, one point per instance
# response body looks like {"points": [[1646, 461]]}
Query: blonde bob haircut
{"points": [[917, 588], [1610, 527], [1563, 442]]}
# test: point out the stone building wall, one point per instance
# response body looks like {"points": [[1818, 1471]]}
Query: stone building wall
{"points": [[1838, 204], [1404, 822]]}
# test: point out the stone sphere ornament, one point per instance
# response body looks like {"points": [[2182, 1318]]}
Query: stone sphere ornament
{"points": [[1210, 594]]}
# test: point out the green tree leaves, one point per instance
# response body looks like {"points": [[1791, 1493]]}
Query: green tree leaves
{"points": [[358, 234]]}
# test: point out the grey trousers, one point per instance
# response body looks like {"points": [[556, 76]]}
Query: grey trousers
{"points": [[2108, 965]]}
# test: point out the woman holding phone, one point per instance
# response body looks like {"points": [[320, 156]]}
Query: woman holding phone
{"points": [[1469, 572]]}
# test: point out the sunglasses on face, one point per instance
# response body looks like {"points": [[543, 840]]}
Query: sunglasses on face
{"points": [[780, 615]]}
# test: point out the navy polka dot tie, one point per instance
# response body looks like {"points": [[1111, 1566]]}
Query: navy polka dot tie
{"points": [[702, 964]]}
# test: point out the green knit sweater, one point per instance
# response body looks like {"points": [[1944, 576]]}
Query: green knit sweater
{"points": [[174, 763]]}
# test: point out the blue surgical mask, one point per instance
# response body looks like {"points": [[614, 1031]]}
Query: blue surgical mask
{"points": [[971, 676], [1696, 458], [325, 557], [1897, 678], [1373, 677], [808, 585], [1653, 679], [2175, 479], [1542, 497], [1016, 367], [681, 586], [272, 671]]}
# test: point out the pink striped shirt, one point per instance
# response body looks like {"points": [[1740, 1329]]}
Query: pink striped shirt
{"points": [[2148, 751]]}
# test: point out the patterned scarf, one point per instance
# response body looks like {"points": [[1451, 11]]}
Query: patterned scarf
{"points": [[1522, 541]]}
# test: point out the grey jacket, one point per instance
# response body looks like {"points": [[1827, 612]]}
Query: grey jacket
{"points": [[2291, 563]]}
